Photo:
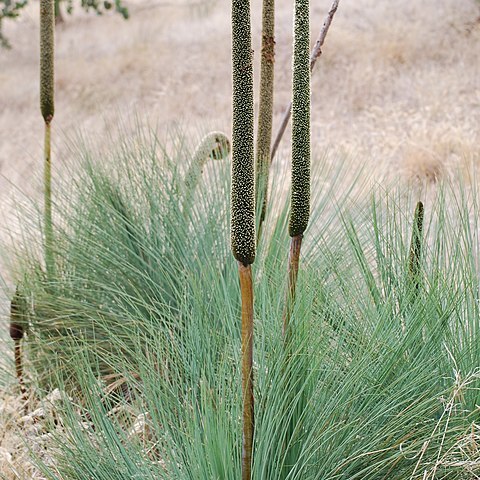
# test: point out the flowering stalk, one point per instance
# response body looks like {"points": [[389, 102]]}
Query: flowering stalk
{"points": [[47, 107], [243, 206], [300, 192]]}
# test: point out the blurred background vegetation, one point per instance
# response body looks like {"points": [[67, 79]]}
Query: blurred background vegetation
{"points": [[10, 9]]}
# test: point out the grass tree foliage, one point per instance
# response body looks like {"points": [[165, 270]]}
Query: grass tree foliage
{"points": [[300, 190], [131, 332]]}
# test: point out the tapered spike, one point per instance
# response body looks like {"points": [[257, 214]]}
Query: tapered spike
{"points": [[47, 107], [300, 194], [243, 181], [47, 33]]}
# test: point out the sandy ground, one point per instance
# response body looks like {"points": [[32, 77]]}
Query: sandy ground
{"points": [[397, 89]]}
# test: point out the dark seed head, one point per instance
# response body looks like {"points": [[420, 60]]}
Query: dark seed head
{"points": [[300, 196], [243, 173], [47, 29]]}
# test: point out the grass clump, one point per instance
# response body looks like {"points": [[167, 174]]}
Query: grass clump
{"points": [[141, 329]]}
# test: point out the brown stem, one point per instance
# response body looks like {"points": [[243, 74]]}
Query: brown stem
{"points": [[293, 261], [314, 56], [246, 288]]}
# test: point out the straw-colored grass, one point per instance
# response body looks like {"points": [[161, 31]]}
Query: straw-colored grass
{"points": [[395, 80]]}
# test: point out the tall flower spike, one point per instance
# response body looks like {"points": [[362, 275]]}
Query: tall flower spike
{"points": [[243, 182], [243, 207], [47, 29], [300, 196], [47, 107]]}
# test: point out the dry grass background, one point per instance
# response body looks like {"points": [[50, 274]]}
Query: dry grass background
{"points": [[397, 89]]}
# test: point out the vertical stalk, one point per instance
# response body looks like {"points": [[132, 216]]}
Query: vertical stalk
{"points": [[300, 192], [242, 227], [264, 131], [47, 107], [246, 288], [19, 363], [47, 182]]}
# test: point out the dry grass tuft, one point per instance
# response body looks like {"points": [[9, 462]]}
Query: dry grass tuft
{"points": [[423, 166]]}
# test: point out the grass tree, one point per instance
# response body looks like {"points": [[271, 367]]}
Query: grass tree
{"points": [[264, 130], [300, 191], [47, 107], [243, 205]]}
